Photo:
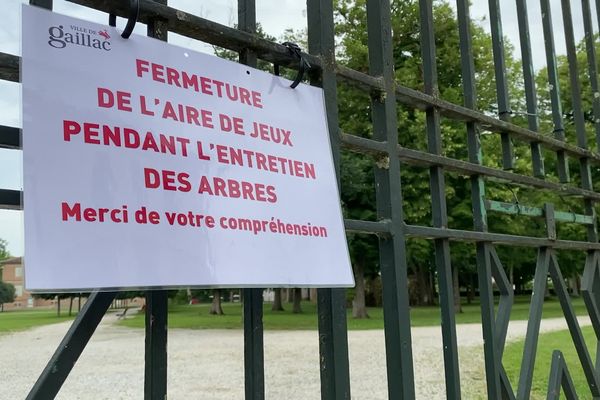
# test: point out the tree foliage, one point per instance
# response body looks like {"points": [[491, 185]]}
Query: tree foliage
{"points": [[7, 294], [4, 253]]}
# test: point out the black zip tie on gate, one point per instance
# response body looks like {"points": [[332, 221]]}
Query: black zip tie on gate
{"points": [[296, 51], [134, 12]]}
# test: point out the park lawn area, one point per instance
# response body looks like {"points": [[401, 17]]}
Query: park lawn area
{"points": [[548, 342], [18, 320], [197, 316]]}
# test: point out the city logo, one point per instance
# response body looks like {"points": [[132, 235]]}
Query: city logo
{"points": [[59, 37], [104, 34]]}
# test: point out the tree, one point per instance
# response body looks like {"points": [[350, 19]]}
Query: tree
{"points": [[7, 294], [215, 307], [297, 307], [277, 303], [4, 253], [355, 118]]}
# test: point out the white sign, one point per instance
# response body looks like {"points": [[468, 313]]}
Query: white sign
{"points": [[150, 165]]}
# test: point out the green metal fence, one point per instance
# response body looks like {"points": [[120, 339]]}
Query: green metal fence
{"points": [[390, 227]]}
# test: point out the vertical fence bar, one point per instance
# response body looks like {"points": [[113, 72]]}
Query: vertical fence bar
{"points": [[578, 116], [438, 205], [590, 43], [392, 250], [554, 89], [331, 303], [491, 354], [590, 46], [155, 371], [70, 348], [157, 301], [254, 369], [533, 324], [504, 110], [598, 12], [533, 120], [585, 170]]}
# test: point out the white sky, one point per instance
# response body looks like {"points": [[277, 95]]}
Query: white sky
{"points": [[274, 15]]}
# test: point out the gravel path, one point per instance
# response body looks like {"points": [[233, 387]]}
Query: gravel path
{"points": [[209, 363]]}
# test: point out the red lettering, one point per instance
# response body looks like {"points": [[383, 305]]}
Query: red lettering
{"points": [[71, 212], [70, 128], [205, 85], [238, 126], [143, 107], [260, 192], [173, 77], [131, 138], [245, 96], [169, 180], [151, 178], [219, 86], [158, 73], [141, 66], [256, 99], [106, 99], [219, 187], [205, 186], [91, 133], [153, 217], [272, 195], [89, 214], [206, 118], [149, 142], [124, 101], [184, 183], [234, 188], [247, 191], [226, 124], [192, 115]]}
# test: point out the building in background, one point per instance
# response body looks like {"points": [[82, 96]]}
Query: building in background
{"points": [[12, 272]]}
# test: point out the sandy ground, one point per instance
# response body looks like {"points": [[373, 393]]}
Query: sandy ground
{"points": [[208, 364]]}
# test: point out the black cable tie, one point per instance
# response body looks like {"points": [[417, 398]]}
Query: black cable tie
{"points": [[295, 50], [134, 12]]}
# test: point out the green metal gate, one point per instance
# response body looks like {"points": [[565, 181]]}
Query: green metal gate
{"points": [[390, 227]]}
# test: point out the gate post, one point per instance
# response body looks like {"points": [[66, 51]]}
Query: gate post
{"points": [[331, 303], [392, 249], [157, 301]]}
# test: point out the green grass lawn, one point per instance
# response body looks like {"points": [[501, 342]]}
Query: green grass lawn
{"points": [[548, 342], [197, 316], [18, 320]]}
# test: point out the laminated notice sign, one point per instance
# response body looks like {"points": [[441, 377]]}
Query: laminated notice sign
{"points": [[150, 165]]}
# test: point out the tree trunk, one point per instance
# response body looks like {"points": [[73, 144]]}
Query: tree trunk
{"points": [[359, 309], [215, 307], [573, 285], [470, 291], [456, 287], [70, 306], [2, 307], [297, 301], [79, 303], [57, 306], [313, 295], [277, 304]]}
